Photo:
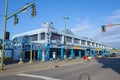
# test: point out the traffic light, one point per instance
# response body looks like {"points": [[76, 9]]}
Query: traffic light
{"points": [[103, 29], [0, 47], [110, 25], [33, 10], [0, 43], [7, 35], [15, 20]]}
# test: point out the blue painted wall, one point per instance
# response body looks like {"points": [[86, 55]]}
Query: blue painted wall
{"points": [[39, 54], [62, 54]]}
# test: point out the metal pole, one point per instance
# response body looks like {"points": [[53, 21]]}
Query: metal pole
{"points": [[65, 43], [4, 33]]}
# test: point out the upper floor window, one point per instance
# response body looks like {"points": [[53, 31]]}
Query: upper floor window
{"points": [[83, 42], [34, 37], [88, 43], [93, 44], [42, 36], [56, 37], [97, 45], [69, 39], [76, 40]]}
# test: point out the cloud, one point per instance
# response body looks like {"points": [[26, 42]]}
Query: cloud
{"points": [[114, 17], [82, 28], [111, 36]]}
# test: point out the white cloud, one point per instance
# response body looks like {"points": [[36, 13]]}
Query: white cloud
{"points": [[111, 36], [114, 17], [82, 28]]}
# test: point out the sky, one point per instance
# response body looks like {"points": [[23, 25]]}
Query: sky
{"points": [[85, 17]]}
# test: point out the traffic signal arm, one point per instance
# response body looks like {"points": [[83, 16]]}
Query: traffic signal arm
{"points": [[110, 25], [25, 7]]}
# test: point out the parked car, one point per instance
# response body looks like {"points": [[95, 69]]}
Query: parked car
{"points": [[99, 56], [107, 55], [113, 55]]}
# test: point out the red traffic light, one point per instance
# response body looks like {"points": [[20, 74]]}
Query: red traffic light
{"points": [[110, 25]]}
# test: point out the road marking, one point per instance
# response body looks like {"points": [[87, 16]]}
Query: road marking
{"points": [[37, 76]]}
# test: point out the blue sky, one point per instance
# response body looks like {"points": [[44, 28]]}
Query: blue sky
{"points": [[86, 17]]}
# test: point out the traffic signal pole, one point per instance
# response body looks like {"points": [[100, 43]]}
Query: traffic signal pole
{"points": [[4, 33], [5, 22]]}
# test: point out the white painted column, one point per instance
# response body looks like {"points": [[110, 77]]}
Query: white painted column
{"points": [[43, 55], [85, 43], [39, 35], [62, 38], [80, 42]]}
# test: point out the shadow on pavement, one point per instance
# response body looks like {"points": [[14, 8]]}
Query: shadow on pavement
{"points": [[112, 63], [13, 61]]}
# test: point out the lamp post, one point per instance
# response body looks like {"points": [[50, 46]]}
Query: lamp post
{"points": [[65, 43], [5, 22]]}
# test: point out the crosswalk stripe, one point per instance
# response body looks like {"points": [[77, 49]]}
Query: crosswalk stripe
{"points": [[37, 76]]}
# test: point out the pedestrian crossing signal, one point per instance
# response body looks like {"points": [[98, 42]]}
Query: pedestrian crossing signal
{"points": [[7, 36]]}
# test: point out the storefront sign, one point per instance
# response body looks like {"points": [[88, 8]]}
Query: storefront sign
{"points": [[76, 47], [98, 49]]}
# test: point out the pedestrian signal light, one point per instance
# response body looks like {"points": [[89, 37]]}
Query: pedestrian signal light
{"points": [[7, 35]]}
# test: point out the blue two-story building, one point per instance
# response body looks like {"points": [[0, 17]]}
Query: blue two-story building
{"points": [[61, 43]]}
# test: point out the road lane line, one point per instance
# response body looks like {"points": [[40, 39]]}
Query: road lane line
{"points": [[37, 76]]}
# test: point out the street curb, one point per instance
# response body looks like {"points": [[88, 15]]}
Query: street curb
{"points": [[52, 66]]}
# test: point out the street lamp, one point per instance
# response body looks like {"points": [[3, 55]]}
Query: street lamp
{"points": [[5, 22], [65, 43]]}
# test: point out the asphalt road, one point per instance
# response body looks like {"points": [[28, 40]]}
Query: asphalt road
{"points": [[103, 69]]}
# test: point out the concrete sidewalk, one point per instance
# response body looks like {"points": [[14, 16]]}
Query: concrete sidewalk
{"points": [[38, 65]]}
